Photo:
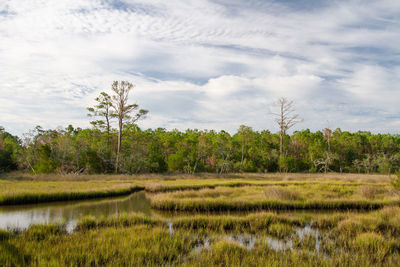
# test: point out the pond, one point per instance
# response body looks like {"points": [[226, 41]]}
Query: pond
{"points": [[22, 216]]}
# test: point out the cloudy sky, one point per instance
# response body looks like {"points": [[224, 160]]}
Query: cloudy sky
{"points": [[212, 64]]}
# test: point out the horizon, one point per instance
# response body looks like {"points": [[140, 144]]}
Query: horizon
{"points": [[211, 65]]}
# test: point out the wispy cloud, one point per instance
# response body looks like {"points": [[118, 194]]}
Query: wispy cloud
{"points": [[202, 64]]}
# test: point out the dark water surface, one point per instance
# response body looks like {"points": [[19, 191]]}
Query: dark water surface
{"points": [[22, 216]]}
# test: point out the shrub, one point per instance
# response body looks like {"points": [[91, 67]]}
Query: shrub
{"points": [[395, 182]]}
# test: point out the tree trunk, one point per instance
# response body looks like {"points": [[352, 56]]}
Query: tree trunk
{"points": [[241, 162], [119, 145], [195, 166], [108, 131]]}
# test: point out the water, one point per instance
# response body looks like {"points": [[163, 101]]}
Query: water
{"points": [[170, 229], [248, 241], [245, 240], [201, 244], [22, 216]]}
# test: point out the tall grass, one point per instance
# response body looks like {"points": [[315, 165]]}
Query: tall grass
{"points": [[137, 240], [223, 205], [11, 198], [283, 197]]}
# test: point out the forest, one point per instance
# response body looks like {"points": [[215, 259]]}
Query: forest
{"points": [[76, 150]]}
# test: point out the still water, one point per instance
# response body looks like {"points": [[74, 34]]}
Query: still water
{"points": [[22, 216]]}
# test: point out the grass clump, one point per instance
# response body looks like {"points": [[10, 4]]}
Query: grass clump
{"points": [[373, 244], [121, 220], [4, 235], [369, 191], [281, 193], [349, 227], [280, 230], [41, 231]]}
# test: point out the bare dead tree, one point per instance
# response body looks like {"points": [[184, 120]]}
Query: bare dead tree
{"points": [[322, 164], [123, 111], [286, 118]]}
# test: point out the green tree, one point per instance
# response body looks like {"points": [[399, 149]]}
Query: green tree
{"points": [[102, 109], [9, 150]]}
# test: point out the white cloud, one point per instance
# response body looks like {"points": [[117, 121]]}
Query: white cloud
{"points": [[203, 64]]}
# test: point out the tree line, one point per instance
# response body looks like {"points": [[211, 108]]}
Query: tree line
{"points": [[129, 149]]}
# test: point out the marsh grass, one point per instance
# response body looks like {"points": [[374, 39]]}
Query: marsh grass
{"points": [[340, 177], [135, 239], [344, 237], [280, 230], [282, 194], [288, 196], [138, 245], [22, 188], [369, 191], [4, 235], [25, 192]]}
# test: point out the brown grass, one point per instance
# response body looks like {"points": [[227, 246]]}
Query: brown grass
{"points": [[347, 177], [369, 191], [281, 193]]}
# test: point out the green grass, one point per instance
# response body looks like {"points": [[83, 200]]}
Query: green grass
{"points": [[289, 196], [28, 192], [356, 219], [20, 188], [134, 239]]}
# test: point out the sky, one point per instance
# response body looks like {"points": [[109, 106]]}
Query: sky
{"points": [[205, 64]]}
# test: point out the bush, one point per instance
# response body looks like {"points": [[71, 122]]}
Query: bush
{"points": [[395, 182]]}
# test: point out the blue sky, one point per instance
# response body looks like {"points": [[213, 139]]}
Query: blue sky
{"points": [[212, 64]]}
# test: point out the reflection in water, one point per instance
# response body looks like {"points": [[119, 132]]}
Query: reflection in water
{"points": [[279, 245], [248, 241], [171, 231], [21, 217], [201, 244]]}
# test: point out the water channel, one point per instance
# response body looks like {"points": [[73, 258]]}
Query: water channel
{"points": [[22, 216]]}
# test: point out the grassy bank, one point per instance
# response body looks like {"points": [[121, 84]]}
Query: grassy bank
{"points": [[22, 188], [345, 177], [260, 239], [28, 192], [280, 196]]}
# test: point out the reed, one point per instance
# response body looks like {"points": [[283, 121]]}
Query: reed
{"points": [[15, 193], [135, 239]]}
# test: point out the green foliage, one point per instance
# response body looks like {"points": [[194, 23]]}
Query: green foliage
{"points": [[9, 150], [46, 163], [175, 162], [75, 150], [395, 182]]}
